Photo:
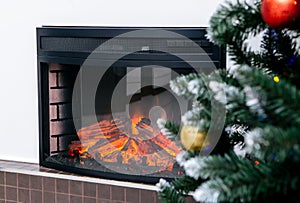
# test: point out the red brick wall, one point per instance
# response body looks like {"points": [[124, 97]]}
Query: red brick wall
{"points": [[61, 82], [16, 187], [23, 188]]}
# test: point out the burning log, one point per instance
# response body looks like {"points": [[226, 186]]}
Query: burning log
{"points": [[129, 141]]}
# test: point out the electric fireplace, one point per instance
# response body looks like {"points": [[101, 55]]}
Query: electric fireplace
{"points": [[101, 91]]}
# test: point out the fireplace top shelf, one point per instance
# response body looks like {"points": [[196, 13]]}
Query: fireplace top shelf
{"points": [[111, 31], [80, 41], [199, 28], [124, 27]]}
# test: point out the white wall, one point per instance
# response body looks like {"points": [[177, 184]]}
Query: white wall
{"points": [[18, 81]]}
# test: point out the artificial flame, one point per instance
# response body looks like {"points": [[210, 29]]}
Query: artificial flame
{"points": [[127, 141], [76, 149], [134, 121]]}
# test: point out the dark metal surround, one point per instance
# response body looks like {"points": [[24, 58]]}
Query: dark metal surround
{"points": [[72, 45]]}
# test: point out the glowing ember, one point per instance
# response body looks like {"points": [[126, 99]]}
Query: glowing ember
{"points": [[76, 149]]}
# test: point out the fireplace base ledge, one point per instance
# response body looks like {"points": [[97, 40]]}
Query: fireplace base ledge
{"points": [[36, 170], [28, 182]]}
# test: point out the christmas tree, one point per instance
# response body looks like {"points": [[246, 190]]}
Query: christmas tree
{"points": [[261, 161]]}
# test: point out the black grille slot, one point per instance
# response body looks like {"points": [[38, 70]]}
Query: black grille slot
{"points": [[72, 44]]}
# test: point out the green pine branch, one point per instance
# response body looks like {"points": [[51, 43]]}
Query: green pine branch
{"points": [[280, 54], [230, 16], [173, 128], [219, 166], [281, 98], [178, 190], [280, 144], [244, 180], [170, 195], [185, 184], [232, 24], [258, 183]]}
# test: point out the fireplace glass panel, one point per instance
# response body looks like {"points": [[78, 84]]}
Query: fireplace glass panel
{"points": [[124, 138]]}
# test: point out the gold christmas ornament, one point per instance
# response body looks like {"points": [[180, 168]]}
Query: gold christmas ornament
{"points": [[276, 79], [191, 138]]}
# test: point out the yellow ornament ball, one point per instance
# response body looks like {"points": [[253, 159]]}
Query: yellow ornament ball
{"points": [[276, 79], [191, 138]]}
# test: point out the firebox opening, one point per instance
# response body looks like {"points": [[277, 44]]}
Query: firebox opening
{"points": [[126, 138]]}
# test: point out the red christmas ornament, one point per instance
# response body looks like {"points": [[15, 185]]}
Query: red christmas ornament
{"points": [[281, 14]]}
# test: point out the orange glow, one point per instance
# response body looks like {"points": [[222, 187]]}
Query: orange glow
{"points": [[77, 149], [129, 141], [134, 121], [256, 163]]}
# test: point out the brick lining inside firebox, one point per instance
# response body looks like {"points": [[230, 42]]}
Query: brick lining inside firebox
{"points": [[62, 130]]}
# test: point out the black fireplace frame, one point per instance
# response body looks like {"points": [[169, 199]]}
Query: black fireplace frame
{"points": [[47, 54]]}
